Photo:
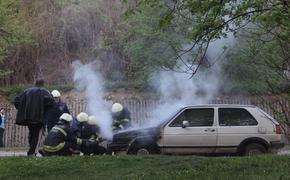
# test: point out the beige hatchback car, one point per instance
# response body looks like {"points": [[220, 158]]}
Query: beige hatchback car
{"points": [[205, 129]]}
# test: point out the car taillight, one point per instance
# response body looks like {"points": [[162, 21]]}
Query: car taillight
{"points": [[278, 129]]}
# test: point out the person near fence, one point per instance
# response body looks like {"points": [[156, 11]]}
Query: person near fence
{"points": [[32, 105], [2, 126], [53, 114], [121, 117], [91, 132], [61, 141]]}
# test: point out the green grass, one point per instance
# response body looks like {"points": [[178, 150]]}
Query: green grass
{"points": [[146, 167]]}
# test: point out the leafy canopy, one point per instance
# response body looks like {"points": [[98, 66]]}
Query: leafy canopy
{"points": [[12, 32]]}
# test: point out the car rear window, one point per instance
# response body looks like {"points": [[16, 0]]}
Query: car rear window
{"points": [[236, 117], [196, 117]]}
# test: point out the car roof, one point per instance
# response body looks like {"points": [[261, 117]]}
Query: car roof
{"points": [[220, 106]]}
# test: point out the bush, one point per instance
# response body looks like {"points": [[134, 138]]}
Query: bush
{"points": [[11, 92], [61, 87]]}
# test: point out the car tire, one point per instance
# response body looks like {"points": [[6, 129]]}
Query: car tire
{"points": [[254, 149], [140, 149]]}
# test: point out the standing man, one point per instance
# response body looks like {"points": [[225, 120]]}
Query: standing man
{"points": [[121, 117], [53, 114], [32, 105], [2, 126]]}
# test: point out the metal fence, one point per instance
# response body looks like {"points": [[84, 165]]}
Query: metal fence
{"points": [[17, 136]]}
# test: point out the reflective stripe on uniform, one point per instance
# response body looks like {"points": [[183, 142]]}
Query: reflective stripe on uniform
{"points": [[125, 120], [53, 148], [61, 130], [79, 141]]}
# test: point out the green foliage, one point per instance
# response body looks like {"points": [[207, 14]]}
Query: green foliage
{"points": [[13, 91], [61, 87], [258, 66], [249, 75], [148, 47], [114, 86], [137, 85], [145, 167], [12, 31]]}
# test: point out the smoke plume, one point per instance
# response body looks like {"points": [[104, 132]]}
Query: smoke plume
{"points": [[91, 82], [178, 89]]}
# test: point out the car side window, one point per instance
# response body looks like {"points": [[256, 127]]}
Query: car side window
{"points": [[195, 117], [236, 117]]}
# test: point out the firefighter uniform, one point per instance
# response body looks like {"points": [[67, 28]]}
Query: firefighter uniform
{"points": [[60, 140], [53, 114], [121, 117], [79, 123], [90, 132]]}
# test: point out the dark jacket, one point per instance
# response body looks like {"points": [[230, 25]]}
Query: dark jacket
{"points": [[77, 127], [53, 114], [59, 135], [90, 131], [32, 105], [121, 120]]}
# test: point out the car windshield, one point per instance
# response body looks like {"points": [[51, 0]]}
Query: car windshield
{"points": [[169, 116]]}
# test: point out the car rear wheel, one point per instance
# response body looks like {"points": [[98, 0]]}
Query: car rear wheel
{"points": [[254, 149]]}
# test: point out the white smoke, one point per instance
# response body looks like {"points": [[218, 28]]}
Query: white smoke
{"points": [[90, 81], [178, 89]]}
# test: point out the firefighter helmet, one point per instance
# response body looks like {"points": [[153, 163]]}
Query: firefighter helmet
{"points": [[92, 120], [117, 107], [66, 117], [55, 93], [83, 117]]}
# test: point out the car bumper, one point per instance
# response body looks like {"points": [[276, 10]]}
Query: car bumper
{"points": [[277, 144], [117, 147]]}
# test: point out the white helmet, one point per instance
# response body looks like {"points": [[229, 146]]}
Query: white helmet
{"points": [[66, 117], [92, 120], [83, 117], [117, 107], [55, 93]]}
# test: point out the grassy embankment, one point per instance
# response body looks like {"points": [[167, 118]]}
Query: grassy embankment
{"points": [[146, 167]]}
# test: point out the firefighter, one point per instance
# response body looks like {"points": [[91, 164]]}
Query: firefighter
{"points": [[60, 140], [121, 117], [91, 132], [79, 123], [53, 114]]}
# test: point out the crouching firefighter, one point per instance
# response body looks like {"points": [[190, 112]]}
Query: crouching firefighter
{"points": [[91, 134], [60, 141], [79, 123]]}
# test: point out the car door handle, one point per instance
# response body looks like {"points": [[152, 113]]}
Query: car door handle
{"points": [[209, 130]]}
